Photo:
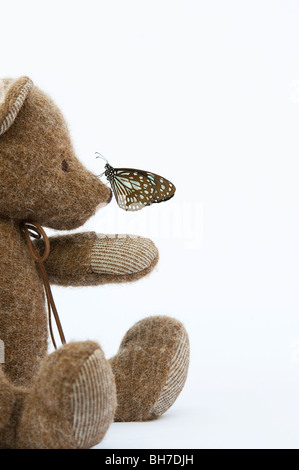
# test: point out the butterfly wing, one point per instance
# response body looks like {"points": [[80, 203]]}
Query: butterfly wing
{"points": [[164, 189], [131, 189], [136, 189]]}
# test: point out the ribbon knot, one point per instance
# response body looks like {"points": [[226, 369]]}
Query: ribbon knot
{"points": [[35, 230]]}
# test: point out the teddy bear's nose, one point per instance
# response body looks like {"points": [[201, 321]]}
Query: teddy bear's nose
{"points": [[110, 197]]}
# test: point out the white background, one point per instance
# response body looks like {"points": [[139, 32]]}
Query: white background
{"points": [[205, 93]]}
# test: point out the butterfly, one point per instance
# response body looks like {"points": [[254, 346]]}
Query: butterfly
{"points": [[136, 189]]}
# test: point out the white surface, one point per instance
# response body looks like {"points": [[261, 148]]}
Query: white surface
{"points": [[206, 93]]}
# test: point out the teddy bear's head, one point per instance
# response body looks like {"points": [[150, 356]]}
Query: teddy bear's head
{"points": [[40, 177]]}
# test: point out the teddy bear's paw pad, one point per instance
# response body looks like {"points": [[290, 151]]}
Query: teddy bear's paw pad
{"points": [[92, 403], [122, 254], [178, 371]]}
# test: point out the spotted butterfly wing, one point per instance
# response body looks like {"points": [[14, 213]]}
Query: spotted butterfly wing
{"points": [[136, 189]]}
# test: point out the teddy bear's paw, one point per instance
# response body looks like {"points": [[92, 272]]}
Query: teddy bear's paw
{"points": [[150, 368], [72, 401], [119, 258]]}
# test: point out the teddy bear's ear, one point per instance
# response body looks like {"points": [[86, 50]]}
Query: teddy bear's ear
{"points": [[12, 96]]}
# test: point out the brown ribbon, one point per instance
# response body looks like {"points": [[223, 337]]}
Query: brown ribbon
{"points": [[35, 230]]}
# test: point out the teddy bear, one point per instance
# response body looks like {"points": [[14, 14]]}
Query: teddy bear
{"points": [[68, 398]]}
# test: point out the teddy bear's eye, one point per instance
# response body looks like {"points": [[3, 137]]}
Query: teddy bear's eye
{"points": [[64, 165]]}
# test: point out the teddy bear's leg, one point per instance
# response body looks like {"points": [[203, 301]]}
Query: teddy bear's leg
{"points": [[71, 403], [150, 368]]}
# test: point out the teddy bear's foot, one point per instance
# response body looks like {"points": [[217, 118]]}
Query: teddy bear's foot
{"points": [[72, 401], [150, 368]]}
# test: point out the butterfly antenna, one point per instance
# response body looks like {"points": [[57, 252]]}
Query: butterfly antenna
{"points": [[99, 155]]}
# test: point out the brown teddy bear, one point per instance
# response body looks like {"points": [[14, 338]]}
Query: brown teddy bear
{"points": [[69, 398]]}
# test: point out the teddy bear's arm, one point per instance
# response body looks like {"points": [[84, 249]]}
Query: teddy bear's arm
{"points": [[84, 259]]}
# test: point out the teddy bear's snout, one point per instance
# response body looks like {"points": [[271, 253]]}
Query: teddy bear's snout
{"points": [[101, 194], [107, 197], [110, 197]]}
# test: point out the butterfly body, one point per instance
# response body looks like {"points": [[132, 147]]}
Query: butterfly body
{"points": [[136, 189]]}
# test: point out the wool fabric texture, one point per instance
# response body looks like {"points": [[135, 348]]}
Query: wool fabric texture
{"points": [[68, 399], [156, 347]]}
